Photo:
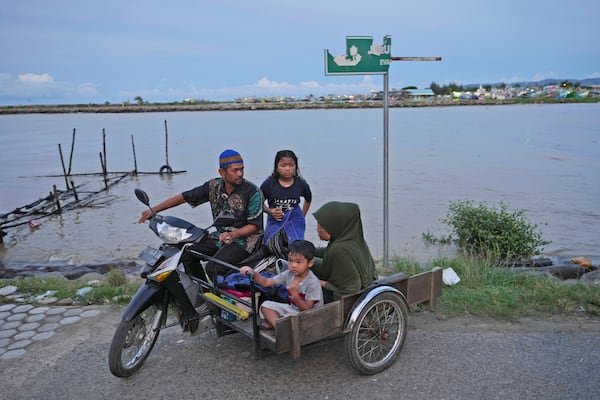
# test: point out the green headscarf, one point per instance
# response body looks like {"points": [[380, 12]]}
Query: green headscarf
{"points": [[347, 265]]}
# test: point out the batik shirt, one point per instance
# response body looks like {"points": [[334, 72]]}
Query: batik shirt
{"points": [[245, 203]]}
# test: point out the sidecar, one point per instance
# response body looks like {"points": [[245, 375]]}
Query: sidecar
{"points": [[374, 322]]}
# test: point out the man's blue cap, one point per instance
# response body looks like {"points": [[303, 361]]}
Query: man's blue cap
{"points": [[229, 157]]}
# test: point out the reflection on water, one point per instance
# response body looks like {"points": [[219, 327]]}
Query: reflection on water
{"points": [[544, 159]]}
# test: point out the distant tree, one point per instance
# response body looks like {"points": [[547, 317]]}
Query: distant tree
{"points": [[409, 88], [454, 87], [139, 100], [435, 88]]}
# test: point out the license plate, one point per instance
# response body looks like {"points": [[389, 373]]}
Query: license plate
{"points": [[150, 255]]}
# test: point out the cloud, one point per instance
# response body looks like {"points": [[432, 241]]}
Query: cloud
{"points": [[264, 87], [34, 88], [34, 78], [267, 87]]}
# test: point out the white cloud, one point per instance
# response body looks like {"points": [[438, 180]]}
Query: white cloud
{"points": [[42, 89], [35, 78], [264, 87]]}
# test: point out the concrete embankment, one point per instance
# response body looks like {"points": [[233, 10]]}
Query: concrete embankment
{"points": [[252, 106]]}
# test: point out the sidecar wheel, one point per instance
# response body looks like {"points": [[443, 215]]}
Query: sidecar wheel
{"points": [[378, 335], [133, 341]]}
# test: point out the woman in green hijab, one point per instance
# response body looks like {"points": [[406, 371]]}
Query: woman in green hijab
{"points": [[347, 265]]}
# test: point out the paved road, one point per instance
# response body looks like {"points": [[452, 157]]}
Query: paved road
{"points": [[455, 359], [22, 325]]}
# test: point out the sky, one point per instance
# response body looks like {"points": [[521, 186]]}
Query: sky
{"points": [[80, 52]]}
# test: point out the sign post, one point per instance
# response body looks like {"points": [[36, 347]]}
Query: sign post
{"points": [[365, 58]]}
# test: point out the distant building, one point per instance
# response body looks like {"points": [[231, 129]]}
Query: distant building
{"points": [[420, 94]]}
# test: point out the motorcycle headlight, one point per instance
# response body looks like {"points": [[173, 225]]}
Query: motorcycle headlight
{"points": [[171, 234]]}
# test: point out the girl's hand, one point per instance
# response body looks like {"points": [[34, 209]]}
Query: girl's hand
{"points": [[277, 213]]}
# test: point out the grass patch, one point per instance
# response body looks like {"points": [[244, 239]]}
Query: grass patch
{"points": [[486, 290]]}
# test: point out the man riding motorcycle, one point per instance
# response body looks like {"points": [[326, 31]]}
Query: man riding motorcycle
{"points": [[229, 194]]}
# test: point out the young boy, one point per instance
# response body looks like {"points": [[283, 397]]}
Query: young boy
{"points": [[303, 287]]}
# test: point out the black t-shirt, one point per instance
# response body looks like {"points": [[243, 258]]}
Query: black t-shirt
{"points": [[287, 198]]}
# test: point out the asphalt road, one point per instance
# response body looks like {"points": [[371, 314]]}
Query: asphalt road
{"points": [[453, 359]]}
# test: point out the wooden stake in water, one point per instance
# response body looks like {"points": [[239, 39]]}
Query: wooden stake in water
{"points": [[135, 170], [105, 170], [56, 200], [71, 155], [74, 191], [166, 145], [103, 165], [62, 162]]}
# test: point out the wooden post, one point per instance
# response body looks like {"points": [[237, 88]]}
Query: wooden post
{"points": [[166, 145], [74, 191], [62, 162], [71, 155], [56, 200], [135, 170], [103, 165]]}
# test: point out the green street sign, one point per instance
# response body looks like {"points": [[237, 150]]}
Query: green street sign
{"points": [[362, 57]]}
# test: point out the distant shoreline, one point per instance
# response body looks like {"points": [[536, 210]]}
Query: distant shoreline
{"points": [[236, 106]]}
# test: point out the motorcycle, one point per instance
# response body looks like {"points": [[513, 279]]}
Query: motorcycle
{"points": [[168, 285]]}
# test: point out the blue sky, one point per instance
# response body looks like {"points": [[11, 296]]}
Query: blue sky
{"points": [[71, 52]]}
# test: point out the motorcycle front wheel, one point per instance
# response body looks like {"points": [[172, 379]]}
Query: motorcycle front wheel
{"points": [[133, 341]]}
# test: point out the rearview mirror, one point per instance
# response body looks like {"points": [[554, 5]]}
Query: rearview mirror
{"points": [[142, 196]]}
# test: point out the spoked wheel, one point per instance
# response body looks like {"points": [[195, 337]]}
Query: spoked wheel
{"points": [[133, 341], [378, 334]]}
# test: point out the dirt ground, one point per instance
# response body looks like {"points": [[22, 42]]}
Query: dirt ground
{"points": [[427, 320]]}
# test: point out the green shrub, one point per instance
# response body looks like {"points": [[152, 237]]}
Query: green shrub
{"points": [[498, 233]]}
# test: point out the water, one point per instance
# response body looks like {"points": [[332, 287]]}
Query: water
{"points": [[544, 159]]}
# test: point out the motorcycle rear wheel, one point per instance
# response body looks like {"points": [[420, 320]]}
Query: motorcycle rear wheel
{"points": [[133, 341]]}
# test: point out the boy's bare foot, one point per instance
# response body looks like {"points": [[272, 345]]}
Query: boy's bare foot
{"points": [[266, 325]]}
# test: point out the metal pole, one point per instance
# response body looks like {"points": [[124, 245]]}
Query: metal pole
{"points": [[416, 58], [385, 172]]}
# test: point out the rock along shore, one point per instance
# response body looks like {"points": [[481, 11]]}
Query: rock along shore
{"points": [[251, 106]]}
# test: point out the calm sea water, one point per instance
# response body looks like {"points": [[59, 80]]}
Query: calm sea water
{"points": [[543, 159]]}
